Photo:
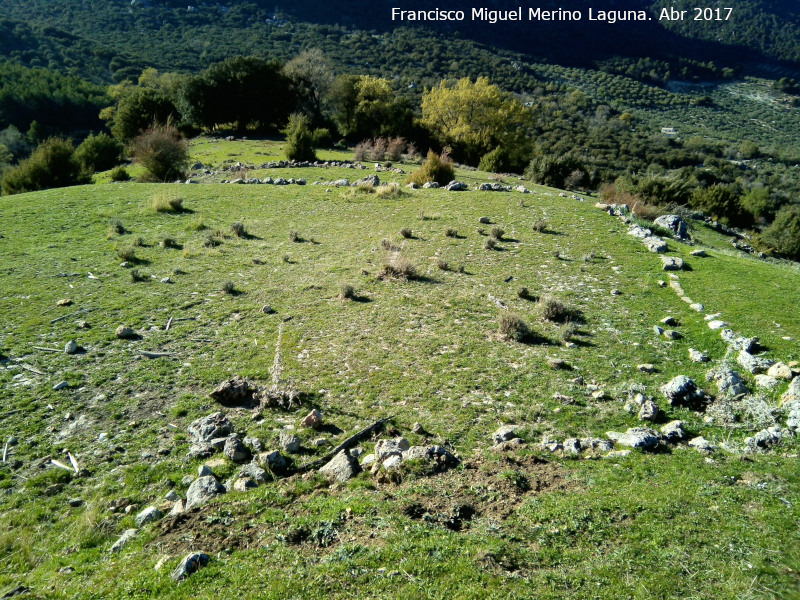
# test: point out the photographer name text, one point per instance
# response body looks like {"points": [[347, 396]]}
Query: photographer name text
{"points": [[537, 14]]}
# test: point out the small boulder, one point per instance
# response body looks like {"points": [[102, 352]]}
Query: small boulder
{"points": [[385, 448], [255, 473], [649, 411], [697, 356], [716, 324], [312, 419], [646, 368], [190, 564], [572, 446], [702, 445], [728, 382], [211, 426], [636, 437], [672, 263], [235, 392], [236, 450], [273, 461], [674, 432], [148, 515], [753, 364], [202, 490], [125, 333], [675, 224], [681, 390], [342, 467], [289, 442], [793, 393], [780, 371], [124, 539], [71, 347], [456, 186], [766, 382], [244, 484], [504, 434]]}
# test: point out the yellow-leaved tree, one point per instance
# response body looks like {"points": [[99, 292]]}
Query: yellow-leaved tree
{"points": [[474, 118]]}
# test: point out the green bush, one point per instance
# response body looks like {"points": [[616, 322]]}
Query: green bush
{"points": [[495, 161], [299, 139], [163, 152], [322, 138], [51, 165], [435, 168], [784, 233], [722, 203], [98, 153], [120, 174]]}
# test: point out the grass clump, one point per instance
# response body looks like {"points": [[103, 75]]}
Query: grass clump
{"points": [[137, 276], [389, 246], [168, 242], [212, 240], [568, 332], [539, 225], [552, 309], [442, 265], [389, 191], [295, 237], [161, 203], [438, 168], [127, 253], [196, 224], [524, 293], [451, 232], [406, 233], [115, 227], [498, 233], [399, 267], [490, 243], [238, 229], [512, 327], [229, 288], [346, 291]]}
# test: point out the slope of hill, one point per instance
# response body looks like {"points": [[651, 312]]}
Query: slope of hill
{"points": [[515, 521]]}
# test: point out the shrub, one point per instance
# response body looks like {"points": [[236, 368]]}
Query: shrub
{"points": [[406, 233], [228, 287], [137, 276], [238, 229], [490, 244], [435, 168], [722, 203], [568, 332], [524, 294], [212, 240], [451, 233], [399, 267], [498, 233], [552, 309], [784, 233], [127, 253], [346, 291], [321, 138], [512, 327], [51, 165], [162, 151], [442, 264], [115, 226], [98, 153], [395, 148], [361, 151], [539, 225], [388, 245], [120, 174], [495, 161], [377, 151], [164, 203], [299, 140], [168, 242]]}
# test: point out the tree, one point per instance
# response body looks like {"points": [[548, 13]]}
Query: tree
{"points": [[98, 153], [312, 76], [162, 151], [368, 107], [784, 233], [246, 92], [51, 165], [474, 117], [136, 109], [299, 139], [722, 203]]}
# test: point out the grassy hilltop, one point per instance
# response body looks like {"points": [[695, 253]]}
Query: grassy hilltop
{"points": [[519, 522]]}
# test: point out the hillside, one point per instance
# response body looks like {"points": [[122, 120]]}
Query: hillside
{"points": [[565, 512]]}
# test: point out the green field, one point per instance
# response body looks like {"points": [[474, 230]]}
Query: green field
{"points": [[668, 524]]}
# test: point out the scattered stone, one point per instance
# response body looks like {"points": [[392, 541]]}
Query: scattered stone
{"points": [[551, 445], [485, 221], [636, 437], [71, 347], [739, 342], [780, 371], [669, 321], [342, 467], [125, 333], [60, 386], [312, 419], [148, 515], [697, 356], [716, 324], [235, 392], [267, 310], [211, 426], [75, 502], [430, 185], [65, 302], [289, 442], [793, 393], [616, 292], [697, 307], [617, 454], [675, 224], [655, 244], [504, 434], [649, 411], [672, 263], [699, 253], [658, 330], [253, 443], [634, 404], [661, 283], [190, 564], [236, 450], [393, 461], [385, 448], [202, 490], [244, 484], [124, 539], [646, 368], [702, 445], [674, 432], [572, 446], [793, 421], [766, 382], [671, 334], [728, 381], [172, 496], [557, 364], [254, 473], [418, 429], [205, 471], [596, 445], [681, 390], [273, 461], [766, 438], [753, 364]]}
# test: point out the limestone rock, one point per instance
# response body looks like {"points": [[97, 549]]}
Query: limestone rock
{"points": [[71, 347], [504, 434], [244, 484], [236, 450], [753, 364], [211, 426], [672, 263], [675, 224], [716, 324], [385, 448], [312, 419], [646, 368], [202, 490], [456, 186], [697, 356], [793, 393], [125, 333], [636, 437], [190, 564], [673, 431], [767, 438], [124, 539], [766, 382], [701, 444], [148, 515], [342, 467], [255, 473], [780, 371], [649, 411], [235, 392], [572, 446], [728, 382], [273, 462], [681, 390]]}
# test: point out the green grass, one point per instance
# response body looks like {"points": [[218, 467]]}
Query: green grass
{"points": [[424, 350]]}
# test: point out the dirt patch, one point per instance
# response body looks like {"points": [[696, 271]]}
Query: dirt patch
{"points": [[488, 487]]}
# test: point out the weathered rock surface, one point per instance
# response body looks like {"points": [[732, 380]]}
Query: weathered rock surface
{"points": [[767, 438], [385, 448], [674, 432], [672, 263], [148, 515], [236, 450], [753, 364], [342, 467], [780, 371], [793, 393], [636, 437], [202, 490], [697, 356], [212, 426], [190, 564], [675, 224], [236, 392], [729, 382], [124, 539], [682, 390], [312, 419], [504, 434], [701, 444]]}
